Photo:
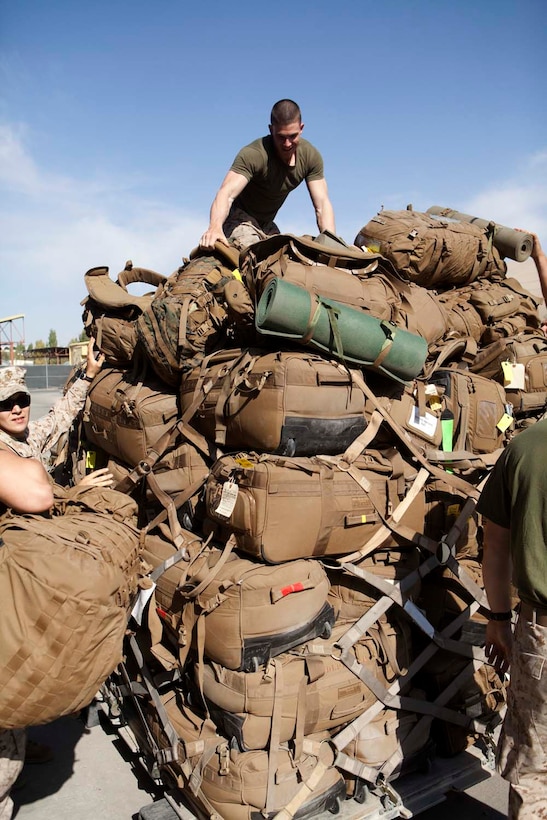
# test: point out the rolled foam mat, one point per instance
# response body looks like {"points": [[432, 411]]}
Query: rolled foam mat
{"points": [[349, 334]]}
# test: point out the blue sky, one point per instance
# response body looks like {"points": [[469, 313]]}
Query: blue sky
{"points": [[119, 119]]}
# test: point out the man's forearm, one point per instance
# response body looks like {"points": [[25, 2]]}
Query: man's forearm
{"points": [[541, 264], [325, 217], [219, 210], [497, 567]]}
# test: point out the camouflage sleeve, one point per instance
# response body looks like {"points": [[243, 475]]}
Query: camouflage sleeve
{"points": [[45, 432]]}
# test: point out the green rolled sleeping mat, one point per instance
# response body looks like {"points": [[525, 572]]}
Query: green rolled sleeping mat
{"points": [[351, 335]]}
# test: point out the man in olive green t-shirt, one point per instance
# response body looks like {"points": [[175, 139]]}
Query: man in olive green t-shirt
{"points": [[514, 506], [260, 179]]}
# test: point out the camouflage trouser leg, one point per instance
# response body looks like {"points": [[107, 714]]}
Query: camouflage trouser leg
{"points": [[243, 230], [12, 757], [522, 758]]}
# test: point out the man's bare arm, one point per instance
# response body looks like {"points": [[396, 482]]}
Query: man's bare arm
{"points": [[231, 187], [496, 573], [324, 212], [541, 264], [24, 484]]}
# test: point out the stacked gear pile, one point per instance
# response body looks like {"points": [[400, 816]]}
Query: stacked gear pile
{"points": [[306, 427]]}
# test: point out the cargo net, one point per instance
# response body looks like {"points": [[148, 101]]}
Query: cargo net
{"points": [[313, 622]]}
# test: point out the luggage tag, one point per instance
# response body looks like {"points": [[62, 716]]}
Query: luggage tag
{"points": [[506, 420], [142, 599], [426, 424], [228, 498], [513, 376]]}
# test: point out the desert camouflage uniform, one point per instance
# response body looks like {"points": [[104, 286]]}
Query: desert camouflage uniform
{"points": [[243, 230], [522, 753], [44, 433], [12, 756]]}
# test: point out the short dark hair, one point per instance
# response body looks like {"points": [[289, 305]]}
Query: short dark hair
{"points": [[285, 111]]}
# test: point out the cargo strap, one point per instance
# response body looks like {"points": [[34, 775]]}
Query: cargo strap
{"points": [[275, 735], [346, 463], [392, 700], [304, 793], [170, 754]]}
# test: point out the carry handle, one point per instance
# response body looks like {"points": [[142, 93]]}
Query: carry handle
{"points": [[130, 275]]}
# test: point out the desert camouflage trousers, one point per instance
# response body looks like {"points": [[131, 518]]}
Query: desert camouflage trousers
{"points": [[522, 754], [12, 757], [243, 230]]}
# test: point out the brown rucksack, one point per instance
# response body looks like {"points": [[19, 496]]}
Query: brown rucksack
{"points": [[67, 584], [346, 275], [502, 360], [188, 316], [110, 310], [308, 688], [433, 251], [505, 308]]}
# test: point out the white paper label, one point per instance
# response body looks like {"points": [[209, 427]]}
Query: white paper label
{"points": [[427, 425], [514, 376], [143, 598], [228, 499]]}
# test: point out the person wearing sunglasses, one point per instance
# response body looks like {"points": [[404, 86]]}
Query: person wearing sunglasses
{"points": [[35, 439]]}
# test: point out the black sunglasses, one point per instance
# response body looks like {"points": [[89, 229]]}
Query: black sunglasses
{"points": [[20, 399]]}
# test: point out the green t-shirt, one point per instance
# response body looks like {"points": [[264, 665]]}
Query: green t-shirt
{"points": [[515, 497], [270, 179]]}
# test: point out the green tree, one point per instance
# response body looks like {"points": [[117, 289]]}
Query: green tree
{"points": [[52, 339]]}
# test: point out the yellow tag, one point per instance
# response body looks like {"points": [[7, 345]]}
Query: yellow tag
{"points": [[507, 370], [434, 403], [363, 519], [90, 459], [505, 422], [237, 274], [244, 462]]}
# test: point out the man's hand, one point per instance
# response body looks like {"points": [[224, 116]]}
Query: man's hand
{"points": [[98, 478], [499, 644], [209, 238], [93, 363]]}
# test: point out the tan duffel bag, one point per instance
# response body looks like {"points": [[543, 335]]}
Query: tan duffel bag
{"points": [[309, 688], [519, 363], [222, 783], [240, 613], [290, 402], [282, 508], [67, 584], [125, 415]]}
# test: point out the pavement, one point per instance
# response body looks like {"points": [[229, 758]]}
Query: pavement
{"points": [[93, 775]]}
